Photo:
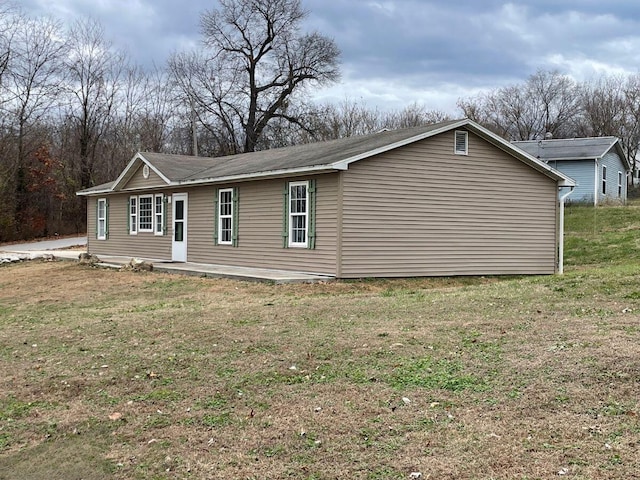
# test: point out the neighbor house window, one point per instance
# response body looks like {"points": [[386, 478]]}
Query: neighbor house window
{"points": [[604, 179], [619, 184], [133, 215], [101, 219], [159, 214], [461, 142], [145, 213]]}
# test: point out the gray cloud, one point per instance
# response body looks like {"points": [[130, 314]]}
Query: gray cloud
{"points": [[399, 51]]}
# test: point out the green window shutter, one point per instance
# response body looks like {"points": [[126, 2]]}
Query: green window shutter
{"points": [[311, 243], [216, 215], [128, 216], [285, 216], [234, 227], [165, 202], [106, 219]]}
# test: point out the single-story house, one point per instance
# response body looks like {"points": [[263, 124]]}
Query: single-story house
{"points": [[597, 164], [446, 199]]}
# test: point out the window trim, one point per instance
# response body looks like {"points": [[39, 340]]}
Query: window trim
{"points": [[221, 216], [620, 179], [140, 229], [604, 179], [158, 216], [466, 142], [133, 215], [291, 214], [101, 235]]}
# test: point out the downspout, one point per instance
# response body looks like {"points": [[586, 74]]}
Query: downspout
{"points": [[561, 235], [595, 185]]}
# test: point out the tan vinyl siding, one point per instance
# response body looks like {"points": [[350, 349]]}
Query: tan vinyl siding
{"points": [[137, 181], [421, 210], [260, 228], [120, 242]]}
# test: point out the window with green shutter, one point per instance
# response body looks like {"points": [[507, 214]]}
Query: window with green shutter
{"points": [[299, 215], [102, 226], [159, 214], [132, 221], [226, 217]]}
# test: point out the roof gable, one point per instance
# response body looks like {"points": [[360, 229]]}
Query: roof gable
{"points": [[330, 156], [587, 148]]}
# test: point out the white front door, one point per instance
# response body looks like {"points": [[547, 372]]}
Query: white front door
{"points": [[179, 241]]}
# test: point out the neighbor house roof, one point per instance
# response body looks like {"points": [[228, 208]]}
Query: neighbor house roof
{"points": [[589, 148], [322, 157]]}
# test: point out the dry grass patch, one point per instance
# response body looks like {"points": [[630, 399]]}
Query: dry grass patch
{"points": [[135, 375]]}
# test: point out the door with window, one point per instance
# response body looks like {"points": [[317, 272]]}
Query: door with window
{"points": [[179, 241]]}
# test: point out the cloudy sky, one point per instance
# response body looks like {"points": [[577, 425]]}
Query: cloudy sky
{"points": [[396, 52]]}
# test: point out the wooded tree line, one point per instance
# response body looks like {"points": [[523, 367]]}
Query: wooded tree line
{"points": [[74, 109], [551, 103]]}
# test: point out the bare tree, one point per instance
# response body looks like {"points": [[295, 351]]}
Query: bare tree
{"points": [[10, 20], [547, 102], [630, 134], [209, 102], [31, 84], [603, 107], [95, 71], [413, 115], [259, 62]]}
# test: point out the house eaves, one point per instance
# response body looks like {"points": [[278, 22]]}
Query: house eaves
{"points": [[97, 190], [573, 149], [480, 131], [325, 157], [261, 175], [562, 179]]}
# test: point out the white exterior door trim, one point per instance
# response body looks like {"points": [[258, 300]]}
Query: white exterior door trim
{"points": [[179, 227]]}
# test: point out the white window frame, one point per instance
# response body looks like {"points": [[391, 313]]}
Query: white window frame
{"points": [[620, 177], [222, 216], [465, 135], [604, 179], [158, 216], [293, 215], [133, 215], [101, 219], [151, 214]]}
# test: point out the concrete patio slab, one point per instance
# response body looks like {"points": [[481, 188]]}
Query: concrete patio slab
{"points": [[220, 271], [187, 268]]}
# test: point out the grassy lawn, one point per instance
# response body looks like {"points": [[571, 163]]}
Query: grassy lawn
{"points": [[125, 375]]}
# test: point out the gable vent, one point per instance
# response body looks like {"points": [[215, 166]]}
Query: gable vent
{"points": [[461, 142]]}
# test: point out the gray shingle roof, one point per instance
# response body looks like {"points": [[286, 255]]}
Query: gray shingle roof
{"points": [[184, 168], [301, 159], [568, 148]]}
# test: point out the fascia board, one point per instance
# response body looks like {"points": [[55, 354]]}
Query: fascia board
{"points": [[621, 153], [94, 192], [571, 159], [344, 164], [260, 175], [562, 179]]}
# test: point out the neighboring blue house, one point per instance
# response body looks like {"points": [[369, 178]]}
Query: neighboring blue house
{"points": [[597, 164]]}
